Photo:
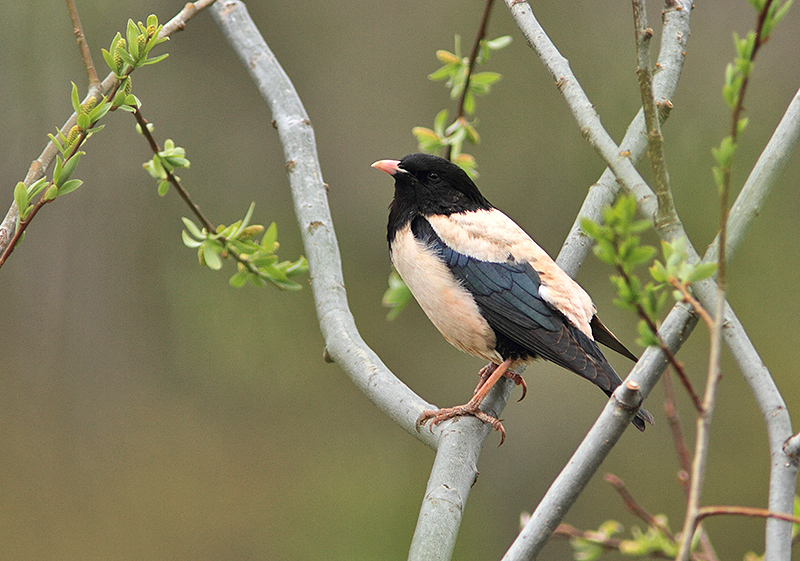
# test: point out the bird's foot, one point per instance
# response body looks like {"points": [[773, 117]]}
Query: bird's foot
{"points": [[436, 416], [487, 370]]}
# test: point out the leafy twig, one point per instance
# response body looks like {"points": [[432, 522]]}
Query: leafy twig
{"points": [[473, 56], [8, 227], [737, 78]]}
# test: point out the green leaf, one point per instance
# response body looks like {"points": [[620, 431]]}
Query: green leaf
{"points": [[396, 297], [51, 193], [188, 241], [702, 271], [126, 57], [211, 257], [57, 170], [641, 254], [83, 121], [154, 60], [499, 43], [270, 239], [21, 196], [193, 229], [132, 33], [163, 187], [109, 58], [99, 111], [69, 186], [76, 102], [239, 279], [37, 187], [445, 72], [68, 170]]}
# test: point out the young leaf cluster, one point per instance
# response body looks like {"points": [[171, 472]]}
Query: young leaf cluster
{"points": [[642, 544], [460, 78], [737, 74], [257, 261], [163, 163], [126, 55], [619, 245], [456, 73]]}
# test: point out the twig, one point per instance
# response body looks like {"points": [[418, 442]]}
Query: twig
{"points": [[173, 180], [83, 46], [706, 511], [714, 368], [637, 509], [698, 307], [610, 544], [671, 412], [674, 362], [473, 55], [40, 164]]}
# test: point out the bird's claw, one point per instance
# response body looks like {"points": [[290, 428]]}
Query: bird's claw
{"points": [[436, 416]]}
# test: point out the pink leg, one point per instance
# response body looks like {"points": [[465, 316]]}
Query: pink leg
{"points": [[472, 407]]}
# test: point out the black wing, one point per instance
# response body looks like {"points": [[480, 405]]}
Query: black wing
{"points": [[508, 296]]}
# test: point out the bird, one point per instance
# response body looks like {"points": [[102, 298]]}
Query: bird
{"points": [[489, 289]]}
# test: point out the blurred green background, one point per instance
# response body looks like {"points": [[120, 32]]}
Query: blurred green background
{"points": [[149, 411]]}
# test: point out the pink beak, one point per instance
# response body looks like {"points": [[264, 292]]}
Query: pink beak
{"points": [[389, 166]]}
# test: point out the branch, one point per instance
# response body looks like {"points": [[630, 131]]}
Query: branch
{"points": [[666, 205], [83, 46], [782, 482], [40, 164], [637, 509], [752, 512], [473, 55]]}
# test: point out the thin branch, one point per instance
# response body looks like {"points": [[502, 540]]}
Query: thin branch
{"points": [[473, 56], [610, 544], [673, 361], [752, 512], [173, 180], [697, 306], [633, 505], [83, 46], [681, 449], [714, 368]]}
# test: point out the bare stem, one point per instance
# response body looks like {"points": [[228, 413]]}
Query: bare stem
{"points": [[83, 46], [632, 504], [752, 512], [698, 307]]}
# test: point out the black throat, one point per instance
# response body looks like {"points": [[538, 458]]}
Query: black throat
{"points": [[415, 193]]}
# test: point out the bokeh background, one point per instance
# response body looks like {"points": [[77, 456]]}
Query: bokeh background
{"points": [[150, 411]]}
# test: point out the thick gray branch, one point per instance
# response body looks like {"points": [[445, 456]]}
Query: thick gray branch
{"points": [[343, 343], [599, 441]]}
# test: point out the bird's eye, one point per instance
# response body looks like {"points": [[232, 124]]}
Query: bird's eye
{"points": [[433, 175]]}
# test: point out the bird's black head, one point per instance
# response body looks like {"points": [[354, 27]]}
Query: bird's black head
{"points": [[427, 184]]}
